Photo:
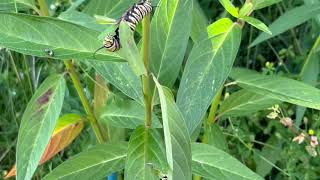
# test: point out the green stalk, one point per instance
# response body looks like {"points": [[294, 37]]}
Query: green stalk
{"points": [[43, 7], [146, 78], [210, 121], [212, 114], [86, 105], [76, 82], [214, 106], [101, 93]]}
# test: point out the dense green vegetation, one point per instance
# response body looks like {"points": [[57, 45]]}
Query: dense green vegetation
{"points": [[214, 89]]}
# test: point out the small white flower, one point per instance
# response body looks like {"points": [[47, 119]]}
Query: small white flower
{"points": [[286, 121], [275, 108], [314, 141], [272, 115], [299, 139]]}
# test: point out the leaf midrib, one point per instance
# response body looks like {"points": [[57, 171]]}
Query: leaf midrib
{"points": [[271, 91], [167, 37], [218, 167], [225, 35], [42, 123], [97, 164], [237, 107]]}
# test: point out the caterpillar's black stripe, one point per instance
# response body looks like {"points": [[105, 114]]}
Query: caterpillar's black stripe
{"points": [[132, 17]]}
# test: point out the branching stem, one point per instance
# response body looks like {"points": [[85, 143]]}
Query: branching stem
{"points": [[85, 102]]}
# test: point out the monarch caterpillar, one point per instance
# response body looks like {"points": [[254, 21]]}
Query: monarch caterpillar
{"points": [[132, 17], [136, 13]]}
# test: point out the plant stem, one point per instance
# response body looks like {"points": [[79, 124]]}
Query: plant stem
{"points": [[146, 78], [214, 106], [101, 93], [76, 82], [86, 105], [43, 8], [212, 115]]}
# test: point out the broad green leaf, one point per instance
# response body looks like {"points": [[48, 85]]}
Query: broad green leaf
{"points": [[27, 2], [74, 5], [112, 9], [277, 87], [309, 74], [95, 163], [67, 129], [170, 32], [130, 50], [219, 27], [30, 3], [121, 76], [177, 140], [34, 35], [9, 6], [126, 114], [82, 19], [212, 163], [207, 68], [288, 20], [265, 3], [243, 103], [310, 2], [145, 152], [199, 22], [38, 123], [216, 137], [246, 9], [228, 6], [268, 156], [257, 23]]}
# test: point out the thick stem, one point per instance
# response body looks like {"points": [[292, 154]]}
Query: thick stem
{"points": [[146, 78], [101, 93], [212, 114], [86, 105], [76, 82], [43, 8], [214, 106]]}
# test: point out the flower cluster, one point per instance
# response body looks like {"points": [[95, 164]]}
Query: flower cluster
{"points": [[276, 113]]}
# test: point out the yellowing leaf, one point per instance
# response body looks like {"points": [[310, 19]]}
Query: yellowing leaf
{"points": [[219, 27], [67, 129]]}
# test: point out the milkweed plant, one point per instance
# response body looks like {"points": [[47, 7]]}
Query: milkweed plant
{"points": [[162, 89]]}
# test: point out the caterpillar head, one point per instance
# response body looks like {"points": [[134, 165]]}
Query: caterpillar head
{"points": [[111, 43], [108, 41]]}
